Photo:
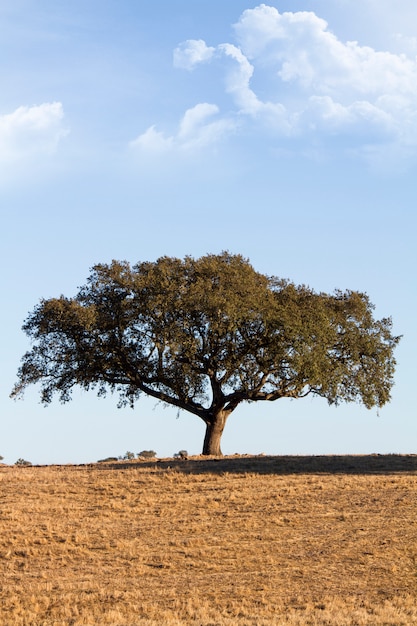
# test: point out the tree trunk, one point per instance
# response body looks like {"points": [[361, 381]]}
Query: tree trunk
{"points": [[214, 431]]}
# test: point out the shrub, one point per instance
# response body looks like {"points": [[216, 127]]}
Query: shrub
{"points": [[182, 454], [146, 454], [22, 462], [128, 456]]}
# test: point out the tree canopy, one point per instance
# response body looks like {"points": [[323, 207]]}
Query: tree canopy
{"points": [[205, 335]]}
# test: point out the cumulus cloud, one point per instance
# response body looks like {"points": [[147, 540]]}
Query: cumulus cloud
{"points": [[196, 129], [30, 132], [192, 52], [334, 81], [288, 74], [237, 83], [360, 119], [306, 53]]}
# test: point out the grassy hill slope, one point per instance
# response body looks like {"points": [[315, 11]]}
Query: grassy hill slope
{"points": [[238, 541]]}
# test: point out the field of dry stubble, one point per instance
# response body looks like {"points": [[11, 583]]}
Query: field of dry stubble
{"points": [[238, 541]]}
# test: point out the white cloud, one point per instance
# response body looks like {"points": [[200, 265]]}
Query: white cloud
{"points": [[263, 29], [360, 118], [196, 130], [238, 77], [289, 75], [30, 132], [301, 49], [152, 141], [238, 80], [194, 119], [192, 52]]}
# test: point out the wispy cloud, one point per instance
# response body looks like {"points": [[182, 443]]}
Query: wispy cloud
{"points": [[31, 132], [200, 126], [287, 73]]}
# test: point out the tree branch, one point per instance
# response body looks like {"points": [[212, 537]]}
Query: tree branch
{"points": [[192, 407]]}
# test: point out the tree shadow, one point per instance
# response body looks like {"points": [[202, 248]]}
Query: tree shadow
{"points": [[246, 464]]}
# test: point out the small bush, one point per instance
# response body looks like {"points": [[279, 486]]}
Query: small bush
{"points": [[22, 462], [146, 454], [128, 456], [182, 454], [108, 460]]}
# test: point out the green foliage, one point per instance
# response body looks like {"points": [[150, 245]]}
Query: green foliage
{"points": [[205, 335], [22, 462], [129, 456]]}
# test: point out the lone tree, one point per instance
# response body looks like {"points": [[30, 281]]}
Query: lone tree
{"points": [[205, 335]]}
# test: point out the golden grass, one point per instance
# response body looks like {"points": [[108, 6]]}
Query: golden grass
{"points": [[240, 541]]}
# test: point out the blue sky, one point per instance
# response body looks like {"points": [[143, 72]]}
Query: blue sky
{"points": [[285, 131]]}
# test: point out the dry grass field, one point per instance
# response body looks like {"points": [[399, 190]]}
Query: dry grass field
{"points": [[237, 541]]}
